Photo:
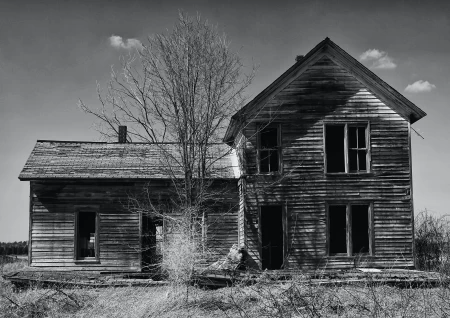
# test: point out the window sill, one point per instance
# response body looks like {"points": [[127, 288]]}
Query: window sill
{"points": [[275, 173], [349, 174], [87, 261], [349, 257]]}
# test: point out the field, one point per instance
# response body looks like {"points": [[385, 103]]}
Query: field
{"points": [[266, 298], [296, 297]]}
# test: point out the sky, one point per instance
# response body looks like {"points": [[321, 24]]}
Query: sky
{"points": [[53, 53]]}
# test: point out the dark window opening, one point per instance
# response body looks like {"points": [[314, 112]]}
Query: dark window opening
{"points": [[360, 229], [349, 229], [268, 149], [86, 235], [334, 147], [338, 229], [346, 148], [272, 248]]}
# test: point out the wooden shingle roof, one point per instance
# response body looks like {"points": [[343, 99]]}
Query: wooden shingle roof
{"points": [[101, 160]]}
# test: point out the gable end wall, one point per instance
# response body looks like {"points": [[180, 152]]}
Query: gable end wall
{"points": [[328, 93]]}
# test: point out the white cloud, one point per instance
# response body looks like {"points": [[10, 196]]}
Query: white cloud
{"points": [[117, 42], [371, 54], [379, 59], [385, 62], [419, 87]]}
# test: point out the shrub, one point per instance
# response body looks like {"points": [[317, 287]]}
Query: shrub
{"points": [[181, 250], [432, 236]]}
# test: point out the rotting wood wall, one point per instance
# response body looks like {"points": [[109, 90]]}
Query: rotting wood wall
{"points": [[52, 222], [327, 92]]}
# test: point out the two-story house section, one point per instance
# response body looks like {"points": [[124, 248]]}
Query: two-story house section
{"points": [[325, 159]]}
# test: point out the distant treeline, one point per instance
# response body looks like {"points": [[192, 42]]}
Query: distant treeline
{"points": [[14, 248]]}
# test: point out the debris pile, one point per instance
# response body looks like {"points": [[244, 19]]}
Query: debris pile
{"points": [[236, 259]]}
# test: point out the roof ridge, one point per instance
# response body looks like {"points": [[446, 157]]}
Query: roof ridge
{"points": [[118, 143], [72, 141]]}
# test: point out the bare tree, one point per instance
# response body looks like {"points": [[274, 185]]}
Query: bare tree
{"points": [[181, 88]]}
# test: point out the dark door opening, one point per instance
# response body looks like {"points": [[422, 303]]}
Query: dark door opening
{"points": [[272, 237], [86, 244], [151, 243]]}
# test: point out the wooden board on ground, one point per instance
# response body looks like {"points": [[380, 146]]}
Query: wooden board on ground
{"points": [[69, 279]]}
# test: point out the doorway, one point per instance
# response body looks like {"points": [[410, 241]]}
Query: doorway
{"points": [[151, 240], [272, 238]]}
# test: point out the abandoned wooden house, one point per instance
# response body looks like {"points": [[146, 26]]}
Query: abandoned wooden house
{"points": [[320, 176]]}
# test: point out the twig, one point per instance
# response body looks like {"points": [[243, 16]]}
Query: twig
{"points": [[12, 301]]}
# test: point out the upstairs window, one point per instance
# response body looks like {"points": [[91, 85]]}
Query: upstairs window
{"points": [[346, 148], [269, 150]]}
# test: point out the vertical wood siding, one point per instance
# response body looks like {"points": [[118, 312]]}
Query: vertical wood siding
{"points": [[326, 92]]}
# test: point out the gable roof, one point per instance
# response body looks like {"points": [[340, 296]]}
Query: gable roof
{"points": [[101, 160], [391, 97]]}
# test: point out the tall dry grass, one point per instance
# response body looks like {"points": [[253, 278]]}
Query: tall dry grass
{"points": [[266, 298], [432, 242]]}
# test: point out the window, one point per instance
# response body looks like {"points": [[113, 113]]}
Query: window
{"points": [[349, 229], [86, 236], [346, 148], [269, 150]]}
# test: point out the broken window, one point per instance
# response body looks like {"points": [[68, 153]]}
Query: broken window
{"points": [[346, 148], [349, 229], [269, 149], [86, 235]]}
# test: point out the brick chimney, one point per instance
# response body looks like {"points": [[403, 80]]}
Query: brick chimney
{"points": [[122, 134]]}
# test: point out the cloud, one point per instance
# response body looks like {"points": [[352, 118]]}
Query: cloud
{"points": [[371, 54], [117, 42], [379, 59], [419, 87]]}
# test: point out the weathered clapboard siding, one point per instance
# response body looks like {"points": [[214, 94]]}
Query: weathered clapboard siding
{"points": [[222, 218], [53, 207], [53, 225], [241, 213], [326, 92], [241, 155]]}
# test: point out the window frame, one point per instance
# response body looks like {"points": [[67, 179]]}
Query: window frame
{"points": [[348, 219], [347, 149], [78, 211], [260, 127]]}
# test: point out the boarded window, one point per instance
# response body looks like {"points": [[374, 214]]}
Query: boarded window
{"points": [[269, 150], [346, 148], [349, 229], [86, 235]]}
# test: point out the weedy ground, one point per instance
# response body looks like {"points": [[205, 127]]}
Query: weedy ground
{"points": [[266, 298]]}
